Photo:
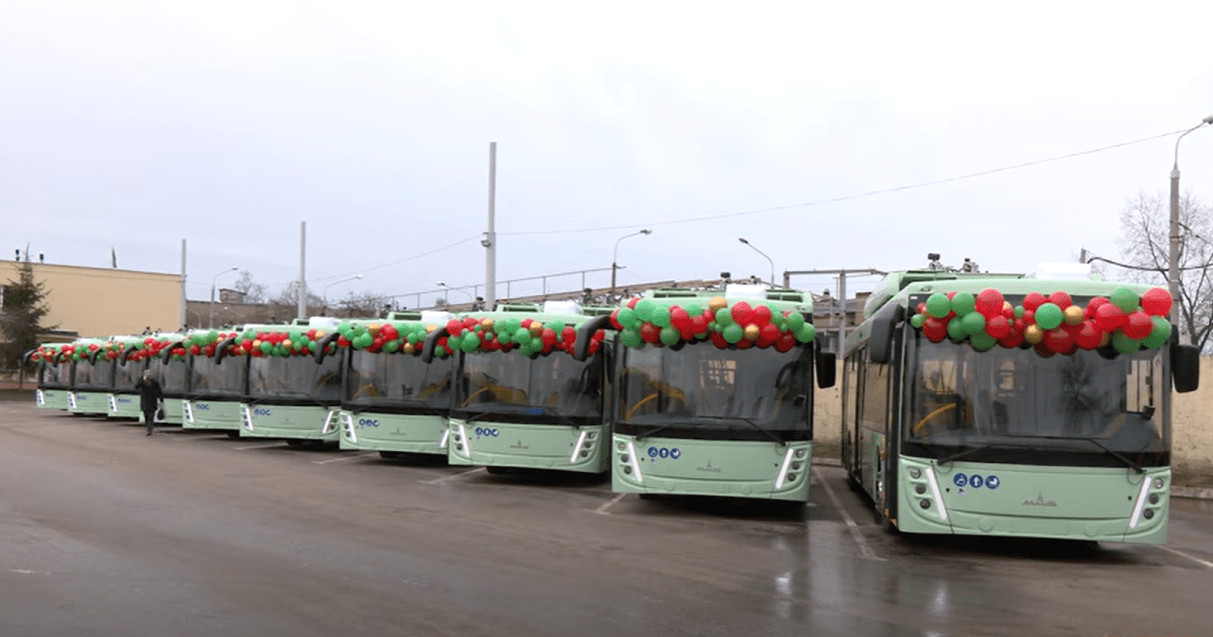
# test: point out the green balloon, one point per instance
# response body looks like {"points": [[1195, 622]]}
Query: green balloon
{"points": [[669, 335], [1159, 334], [806, 333], [266, 347], [505, 338], [956, 330], [626, 318], [917, 320], [344, 329], [723, 317], [1124, 344], [1125, 299], [391, 346], [556, 326], [1018, 311], [522, 336], [661, 317], [470, 343], [733, 333], [938, 305], [631, 338], [1049, 316], [962, 303], [364, 341], [982, 342], [973, 323], [644, 310], [794, 321], [693, 309]]}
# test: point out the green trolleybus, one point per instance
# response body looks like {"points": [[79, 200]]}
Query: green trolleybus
{"points": [[90, 379], [291, 395], [392, 401], [1005, 405], [216, 372], [54, 375], [714, 393], [127, 366], [521, 400]]}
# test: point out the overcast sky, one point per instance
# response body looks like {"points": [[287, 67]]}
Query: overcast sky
{"points": [[134, 125]]}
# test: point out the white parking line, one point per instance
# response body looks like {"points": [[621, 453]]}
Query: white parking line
{"points": [[867, 551], [1185, 555], [352, 456], [452, 477], [603, 509], [261, 446]]}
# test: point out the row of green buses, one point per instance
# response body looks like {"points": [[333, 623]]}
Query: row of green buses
{"points": [[972, 403]]}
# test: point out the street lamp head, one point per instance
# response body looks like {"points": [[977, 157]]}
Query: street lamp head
{"points": [[648, 231], [440, 284], [742, 239], [1208, 120]]}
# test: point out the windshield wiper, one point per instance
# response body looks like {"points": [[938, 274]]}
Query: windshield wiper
{"points": [[1128, 463], [654, 430], [946, 459], [750, 423]]}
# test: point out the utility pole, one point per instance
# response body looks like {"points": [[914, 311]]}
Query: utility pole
{"points": [[841, 328], [302, 281], [490, 237]]}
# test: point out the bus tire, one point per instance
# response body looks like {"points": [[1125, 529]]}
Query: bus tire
{"points": [[497, 471], [295, 442], [233, 434], [390, 455]]}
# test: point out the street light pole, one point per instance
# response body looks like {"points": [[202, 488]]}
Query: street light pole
{"points": [[615, 256], [1173, 257], [447, 294], [324, 295], [210, 321], [742, 239]]}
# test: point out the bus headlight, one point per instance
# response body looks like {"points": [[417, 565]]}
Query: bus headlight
{"points": [[916, 473]]}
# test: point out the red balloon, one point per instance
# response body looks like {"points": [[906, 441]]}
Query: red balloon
{"points": [[1058, 340], [649, 333], [1043, 350], [744, 344], [568, 334], [742, 313], [1012, 339], [698, 324], [785, 343], [934, 329], [1093, 306], [767, 335], [1033, 300], [679, 318], [921, 309], [615, 320], [718, 340], [1029, 317], [548, 337], [988, 303], [997, 326], [1137, 325], [1156, 302], [1008, 311], [761, 315], [1088, 335], [632, 302], [1109, 317], [1061, 300], [454, 326]]}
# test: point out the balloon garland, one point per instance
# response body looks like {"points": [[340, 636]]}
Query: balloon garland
{"points": [[292, 341], [529, 336], [398, 337], [1050, 325], [739, 325]]}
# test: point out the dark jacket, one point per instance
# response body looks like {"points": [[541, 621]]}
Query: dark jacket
{"points": [[149, 393]]}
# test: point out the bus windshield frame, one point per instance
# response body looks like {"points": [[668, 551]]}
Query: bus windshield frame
{"points": [[703, 392], [126, 375], [211, 380], [397, 383], [90, 376], [294, 380], [54, 376], [1015, 406], [547, 389]]}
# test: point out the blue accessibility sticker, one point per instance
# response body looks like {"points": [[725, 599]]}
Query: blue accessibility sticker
{"points": [[960, 479], [652, 452], [976, 481], [675, 453], [992, 482]]}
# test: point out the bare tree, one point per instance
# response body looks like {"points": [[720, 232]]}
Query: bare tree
{"points": [[361, 304], [1145, 224], [289, 297], [253, 292]]}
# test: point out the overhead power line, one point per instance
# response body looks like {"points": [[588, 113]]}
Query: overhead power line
{"points": [[870, 193]]}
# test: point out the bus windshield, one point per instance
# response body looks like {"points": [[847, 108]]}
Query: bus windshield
{"points": [[174, 377], [209, 379], [397, 380], [93, 376], [702, 391], [126, 375], [301, 379], [54, 376], [546, 389], [1014, 405]]}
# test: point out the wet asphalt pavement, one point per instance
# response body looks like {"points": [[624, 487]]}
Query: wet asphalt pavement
{"points": [[106, 532]]}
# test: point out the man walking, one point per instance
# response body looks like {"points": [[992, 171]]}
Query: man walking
{"points": [[149, 398]]}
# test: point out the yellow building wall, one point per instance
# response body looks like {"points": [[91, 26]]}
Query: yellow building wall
{"points": [[104, 301]]}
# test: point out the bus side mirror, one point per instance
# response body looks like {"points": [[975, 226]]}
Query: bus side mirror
{"points": [[430, 343], [880, 341], [1185, 367], [322, 346], [827, 368], [221, 348], [581, 346]]}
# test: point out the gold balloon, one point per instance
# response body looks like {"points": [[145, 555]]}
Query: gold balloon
{"points": [[372, 328], [751, 332], [487, 324], [536, 328], [1073, 315], [408, 348], [717, 303], [1033, 334], [430, 328]]}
